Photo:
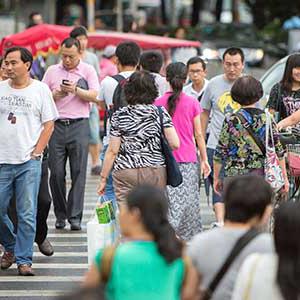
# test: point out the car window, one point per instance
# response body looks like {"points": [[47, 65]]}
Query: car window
{"points": [[272, 77]]}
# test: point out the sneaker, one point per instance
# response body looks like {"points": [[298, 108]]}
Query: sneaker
{"points": [[216, 225], [95, 171], [46, 248], [60, 224], [7, 260], [25, 270]]}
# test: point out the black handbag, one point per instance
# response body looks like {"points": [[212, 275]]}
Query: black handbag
{"points": [[174, 176]]}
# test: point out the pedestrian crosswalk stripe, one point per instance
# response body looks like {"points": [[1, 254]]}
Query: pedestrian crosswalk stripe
{"points": [[62, 254], [30, 293], [64, 235], [47, 265], [40, 278]]}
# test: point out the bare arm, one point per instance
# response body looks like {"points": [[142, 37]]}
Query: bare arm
{"points": [[44, 137], [109, 159], [87, 95], [190, 285], [201, 146], [204, 121], [293, 119], [172, 137], [91, 278]]}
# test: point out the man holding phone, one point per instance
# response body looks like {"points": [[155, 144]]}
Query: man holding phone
{"points": [[74, 84]]}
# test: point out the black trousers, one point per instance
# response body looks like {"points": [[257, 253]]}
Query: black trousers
{"points": [[68, 141], [43, 207]]}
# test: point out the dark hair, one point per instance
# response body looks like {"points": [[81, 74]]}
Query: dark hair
{"points": [[196, 60], [287, 245], [153, 206], [78, 31], [128, 53], [234, 51], [140, 88], [26, 55], [151, 61], [287, 80], [32, 14], [176, 76], [246, 90], [246, 197], [70, 42]]}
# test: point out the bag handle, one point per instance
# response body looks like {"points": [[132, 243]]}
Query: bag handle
{"points": [[242, 242], [160, 111], [256, 139]]}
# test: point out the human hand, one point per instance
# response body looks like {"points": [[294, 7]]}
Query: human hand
{"points": [[59, 94], [205, 168], [101, 186], [69, 87], [218, 186], [285, 189]]}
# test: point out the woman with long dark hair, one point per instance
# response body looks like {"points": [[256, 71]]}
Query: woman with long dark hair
{"points": [[184, 200], [275, 276], [285, 95], [149, 264]]}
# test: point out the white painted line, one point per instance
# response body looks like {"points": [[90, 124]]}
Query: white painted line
{"points": [[57, 266], [62, 254], [66, 235], [68, 244], [30, 293], [40, 278]]}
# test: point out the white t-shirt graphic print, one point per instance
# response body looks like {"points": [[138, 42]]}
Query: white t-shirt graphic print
{"points": [[22, 114]]}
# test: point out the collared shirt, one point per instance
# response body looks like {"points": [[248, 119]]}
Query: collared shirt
{"points": [[71, 106], [188, 89]]}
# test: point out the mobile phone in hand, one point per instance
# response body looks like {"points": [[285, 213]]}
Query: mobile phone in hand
{"points": [[66, 82]]}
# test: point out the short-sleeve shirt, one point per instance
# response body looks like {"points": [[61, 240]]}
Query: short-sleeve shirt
{"points": [[236, 148], [209, 250], [106, 92], [22, 114], [187, 108], [189, 90], [218, 101], [140, 272], [139, 128], [161, 83], [283, 102], [92, 59], [71, 106]]}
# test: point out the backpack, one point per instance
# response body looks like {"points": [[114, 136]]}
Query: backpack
{"points": [[118, 99]]}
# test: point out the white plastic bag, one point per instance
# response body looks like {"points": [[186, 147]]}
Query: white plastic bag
{"points": [[100, 236]]}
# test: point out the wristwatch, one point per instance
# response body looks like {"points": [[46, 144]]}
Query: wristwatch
{"points": [[35, 156]]}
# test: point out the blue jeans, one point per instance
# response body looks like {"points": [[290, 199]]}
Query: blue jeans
{"points": [[210, 155], [23, 180], [109, 189]]}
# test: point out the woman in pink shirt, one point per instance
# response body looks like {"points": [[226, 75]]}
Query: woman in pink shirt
{"points": [[184, 200]]}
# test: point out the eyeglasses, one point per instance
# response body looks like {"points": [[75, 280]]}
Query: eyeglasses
{"points": [[12, 118]]}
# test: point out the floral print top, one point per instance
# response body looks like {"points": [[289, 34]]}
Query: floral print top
{"points": [[237, 150]]}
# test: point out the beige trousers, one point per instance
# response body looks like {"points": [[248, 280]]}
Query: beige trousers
{"points": [[126, 180]]}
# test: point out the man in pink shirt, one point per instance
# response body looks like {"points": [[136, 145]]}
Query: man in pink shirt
{"points": [[74, 84]]}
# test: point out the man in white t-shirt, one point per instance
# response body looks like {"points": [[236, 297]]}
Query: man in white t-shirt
{"points": [[197, 73], [27, 114], [128, 55]]}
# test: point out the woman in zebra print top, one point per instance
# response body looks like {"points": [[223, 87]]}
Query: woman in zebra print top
{"points": [[135, 148]]}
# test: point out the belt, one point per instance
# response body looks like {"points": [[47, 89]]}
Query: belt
{"points": [[68, 122]]}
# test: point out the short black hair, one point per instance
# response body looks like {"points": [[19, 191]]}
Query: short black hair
{"points": [[234, 51], [246, 90], [246, 197], [78, 31], [196, 60], [151, 61], [26, 55], [140, 88], [32, 14], [70, 42], [128, 53]]}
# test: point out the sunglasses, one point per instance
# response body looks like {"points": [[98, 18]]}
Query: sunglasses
{"points": [[12, 118]]}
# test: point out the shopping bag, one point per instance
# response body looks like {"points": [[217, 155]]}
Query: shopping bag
{"points": [[273, 172]]}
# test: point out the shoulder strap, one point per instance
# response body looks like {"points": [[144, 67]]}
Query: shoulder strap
{"points": [[256, 139], [160, 111], [106, 262], [242, 242], [118, 77]]}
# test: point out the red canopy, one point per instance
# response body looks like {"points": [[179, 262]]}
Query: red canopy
{"points": [[98, 40], [45, 38], [38, 39]]}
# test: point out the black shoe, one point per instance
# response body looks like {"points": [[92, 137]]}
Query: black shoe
{"points": [[60, 224], [75, 226], [25, 270], [46, 248]]}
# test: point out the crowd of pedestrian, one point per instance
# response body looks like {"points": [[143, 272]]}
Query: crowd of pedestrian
{"points": [[215, 129]]}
